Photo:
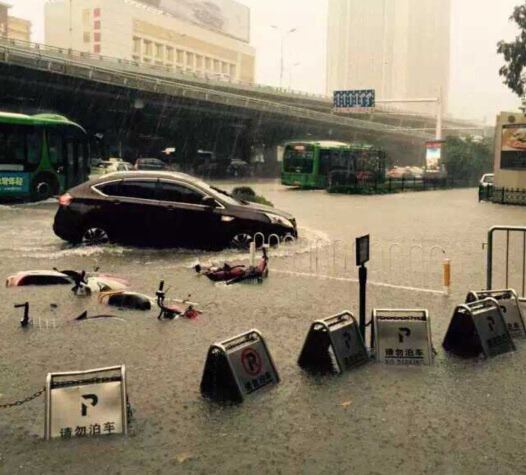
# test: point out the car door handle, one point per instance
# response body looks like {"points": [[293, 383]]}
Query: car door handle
{"points": [[116, 203]]}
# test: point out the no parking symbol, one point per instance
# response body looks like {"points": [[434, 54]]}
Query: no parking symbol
{"points": [[251, 362]]}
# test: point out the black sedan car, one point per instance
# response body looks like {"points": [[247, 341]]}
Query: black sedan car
{"points": [[164, 208]]}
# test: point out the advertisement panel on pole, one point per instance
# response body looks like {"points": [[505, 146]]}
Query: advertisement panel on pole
{"points": [[433, 155], [513, 147], [226, 16]]}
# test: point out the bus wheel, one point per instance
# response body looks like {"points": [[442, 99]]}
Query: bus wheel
{"points": [[95, 235], [44, 186]]}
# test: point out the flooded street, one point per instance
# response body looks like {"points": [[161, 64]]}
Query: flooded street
{"points": [[457, 416]]}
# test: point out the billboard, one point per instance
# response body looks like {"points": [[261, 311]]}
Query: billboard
{"points": [[513, 148], [226, 16], [3, 20], [433, 156]]}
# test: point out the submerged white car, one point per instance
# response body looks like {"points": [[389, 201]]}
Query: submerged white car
{"points": [[487, 180]]}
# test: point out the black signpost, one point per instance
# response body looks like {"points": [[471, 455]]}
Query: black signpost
{"points": [[362, 257]]}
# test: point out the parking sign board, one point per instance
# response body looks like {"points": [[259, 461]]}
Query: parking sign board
{"points": [[239, 367], [334, 342], [86, 407], [402, 337], [478, 328], [509, 306], [355, 102]]}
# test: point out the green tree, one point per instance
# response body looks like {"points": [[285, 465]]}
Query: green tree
{"points": [[515, 54], [468, 158]]}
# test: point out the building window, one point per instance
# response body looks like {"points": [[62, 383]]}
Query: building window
{"points": [[190, 60], [233, 70], [148, 48], [224, 68], [96, 49], [169, 54], [96, 12], [159, 51], [87, 37], [180, 56], [208, 64], [217, 66], [199, 62], [86, 16], [96, 25], [137, 46], [96, 37]]}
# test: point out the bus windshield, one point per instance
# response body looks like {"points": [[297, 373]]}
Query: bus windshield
{"points": [[298, 159]]}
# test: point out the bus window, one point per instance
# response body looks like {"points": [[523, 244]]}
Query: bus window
{"points": [[56, 154], [81, 162], [70, 164], [325, 158], [34, 149], [330, 160], [12, 148], [347, 161]]}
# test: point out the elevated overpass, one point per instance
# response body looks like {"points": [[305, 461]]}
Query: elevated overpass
{"points": [[147, 108]]}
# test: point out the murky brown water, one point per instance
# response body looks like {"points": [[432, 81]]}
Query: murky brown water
{"points": [[454, 417]]}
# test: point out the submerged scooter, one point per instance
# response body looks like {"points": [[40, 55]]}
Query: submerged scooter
{"points": [[184, 308], [236, 274]]}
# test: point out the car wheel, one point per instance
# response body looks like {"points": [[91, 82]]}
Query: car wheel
{"points": [[241, 241], [95, 235]]}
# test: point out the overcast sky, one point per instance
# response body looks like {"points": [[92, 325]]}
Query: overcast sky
{"points": [[477, 25]]}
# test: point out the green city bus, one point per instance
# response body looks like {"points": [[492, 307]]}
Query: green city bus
{"points": [[40, 156], [318, 165]]}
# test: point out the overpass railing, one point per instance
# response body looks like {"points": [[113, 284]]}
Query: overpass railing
{"points": [[171, 72], [199, 77], [41, 60]]}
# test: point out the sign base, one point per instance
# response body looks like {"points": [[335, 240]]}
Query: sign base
{"points": [[238, 368], [333, 345], [478, 328]]}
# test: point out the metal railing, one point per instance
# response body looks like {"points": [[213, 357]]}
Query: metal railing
{"points": [[508, 230], [201, 78], [100, 73], [169, 71]]}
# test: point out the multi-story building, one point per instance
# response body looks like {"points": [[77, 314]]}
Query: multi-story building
{"points": [[13, 27], [399, 48], [209, 37]]}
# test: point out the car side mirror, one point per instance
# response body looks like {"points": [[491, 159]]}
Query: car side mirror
{"points": [[209, 202]]}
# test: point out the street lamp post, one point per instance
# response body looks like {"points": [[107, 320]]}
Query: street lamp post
{"points": [[283, 34], [70, 24], [291, 70]]}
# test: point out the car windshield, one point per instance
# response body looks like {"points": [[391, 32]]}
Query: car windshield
{"points": [[215, 192]]}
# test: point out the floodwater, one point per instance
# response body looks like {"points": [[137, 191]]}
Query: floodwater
{"points": [[457, 416]]}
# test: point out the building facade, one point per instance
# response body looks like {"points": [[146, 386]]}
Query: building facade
{"points": [[133, 30], [399, 48], [13, 27]]}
